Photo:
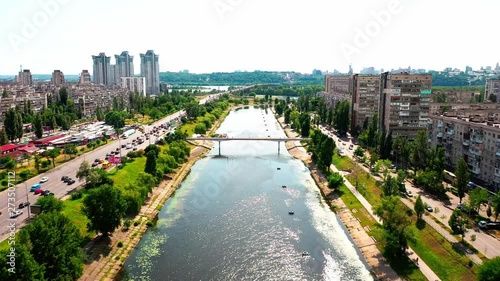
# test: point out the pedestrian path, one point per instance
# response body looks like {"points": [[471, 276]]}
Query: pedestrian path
{"points": [[424, 268]]}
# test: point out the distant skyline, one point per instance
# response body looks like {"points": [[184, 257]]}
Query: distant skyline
{"points": [[205, 36]]}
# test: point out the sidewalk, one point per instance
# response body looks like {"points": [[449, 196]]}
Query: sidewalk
{"points": [[424, 268]]}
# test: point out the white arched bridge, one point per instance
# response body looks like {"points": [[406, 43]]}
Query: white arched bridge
{"points": [[221, 139]]}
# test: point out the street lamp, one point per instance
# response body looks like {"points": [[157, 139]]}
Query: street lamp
{"points": [[27, 198]]}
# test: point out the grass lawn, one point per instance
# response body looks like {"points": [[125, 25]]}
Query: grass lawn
{"points": [[129, 173], [72, 210], [446, 261]]}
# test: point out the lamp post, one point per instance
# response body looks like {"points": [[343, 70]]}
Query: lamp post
{"points": [[27, 198]]}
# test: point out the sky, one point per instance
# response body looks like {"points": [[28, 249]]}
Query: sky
{"points": [[205, 36]]}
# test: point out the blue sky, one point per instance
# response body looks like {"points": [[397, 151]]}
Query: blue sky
{"points": [[226, 35]]}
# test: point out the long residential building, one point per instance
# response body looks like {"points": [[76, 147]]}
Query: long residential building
{"points": [[476, 139], [134, 84], [404, 103], [57, 78]]}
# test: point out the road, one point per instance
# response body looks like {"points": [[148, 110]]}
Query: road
{"points": [[58, 187], [486, 244]]}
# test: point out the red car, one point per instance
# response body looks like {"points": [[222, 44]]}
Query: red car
{"points": [[38, 191]]}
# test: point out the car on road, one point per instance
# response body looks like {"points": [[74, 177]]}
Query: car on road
{"points": [[24, 204], [71, 181], [123, 145], [38, 191], [134, 149], [64, 178], [409, 194], [35, 187], [44, 179], [488, 225], [97, 160], [46, 193], [95, 164], [16, 214], [429, 209]]}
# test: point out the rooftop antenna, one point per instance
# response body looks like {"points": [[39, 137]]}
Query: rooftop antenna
{"points": [[21, 68]]}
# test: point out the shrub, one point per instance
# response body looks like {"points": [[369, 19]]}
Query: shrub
{"points": [[45, 163], [4, 183], [120, 244], [76, 195], [136, 223], [127, 223], [149, 223]]}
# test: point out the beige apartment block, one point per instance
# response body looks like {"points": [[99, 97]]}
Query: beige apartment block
{"points": [[477, 140]]}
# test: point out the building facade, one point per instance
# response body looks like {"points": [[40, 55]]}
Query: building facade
{"points": [[404, 103], [57, 78], [102, 70], [24, 78], [124, 66], [134, 84], [492, 88], [85, 78], [150, 70], [365, 99], [476, 140]]}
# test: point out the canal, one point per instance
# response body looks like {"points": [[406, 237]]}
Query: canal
{"points": [[231, 218]]}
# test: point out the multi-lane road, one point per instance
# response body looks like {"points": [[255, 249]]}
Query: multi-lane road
{"points": [[57, 186]]}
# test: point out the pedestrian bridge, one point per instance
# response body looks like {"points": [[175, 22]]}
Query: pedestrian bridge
{"points": [[221, 139]]}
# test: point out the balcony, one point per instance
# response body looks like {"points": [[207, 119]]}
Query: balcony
{"points": [[475, 152], [439, 135], [497, 172], [466, 143], [450, 132], [496, 179], [476, 170]]}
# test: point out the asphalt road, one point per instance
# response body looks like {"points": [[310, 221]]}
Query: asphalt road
{"points": [[60, 189], [485, 243]]}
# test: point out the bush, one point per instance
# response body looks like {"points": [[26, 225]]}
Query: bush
{"points": [[149, 223], [134, 154], [335, 180], [4, 183], [76, 195], [45, 163], [127, 223], [120, 244], [136, 223]]}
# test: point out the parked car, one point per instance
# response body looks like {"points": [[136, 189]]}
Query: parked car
{"points": [[429, 209], [97, 160], [16, 214], [24, 204], [134, 149], [44, 179], [409, 194], [71, 181], [46, 193], [64, 178], [95, 164], [35, 187], [38, 191]]}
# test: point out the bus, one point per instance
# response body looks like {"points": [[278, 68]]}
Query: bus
{"points": [[128, 133], [449, 177]]}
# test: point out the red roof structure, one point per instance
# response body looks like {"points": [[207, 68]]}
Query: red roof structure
{"points": [[47, 140], [6, 148]]}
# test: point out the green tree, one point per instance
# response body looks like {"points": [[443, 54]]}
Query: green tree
{"points": [[54, 242], [38, 125], [10, 124], [53, 123], [105, 208], [150, 163], [25, 174], [419, 154], [200, 128], [335, 180], [496, 205], [52, 154], [489, 270], [390, 186], [3, 138], [458, 222], [396, 225], [50, 203], [477, 197], [83, 171], [97, 177], [288, 112], [26, 267], [155, 148], [492, 98], [37, 162], [462, 178], [19, 125], [305, 124], [70, 149], [341, 117], [419, 207], [359, 151]]}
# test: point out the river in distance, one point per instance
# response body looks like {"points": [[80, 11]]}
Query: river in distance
{"points": [[230, 219]]}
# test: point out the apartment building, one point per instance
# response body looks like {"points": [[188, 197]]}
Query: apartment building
{"points": [[102, 70], [474, 138], [365, 99], [24, 78], [57, 78], [492, 87], [337, 88], [150, 70], [404, 103], [85, 78], [17, 97], [134, 84]]}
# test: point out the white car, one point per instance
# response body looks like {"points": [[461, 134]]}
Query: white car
{"points": [[16, 214], [44, 179]]}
